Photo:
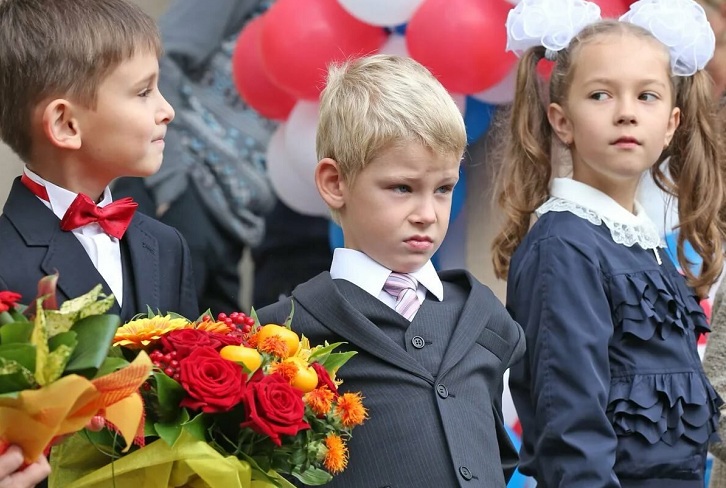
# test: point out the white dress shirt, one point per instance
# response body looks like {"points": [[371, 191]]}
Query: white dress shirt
{"points": [[369, 275], [104, 250]]}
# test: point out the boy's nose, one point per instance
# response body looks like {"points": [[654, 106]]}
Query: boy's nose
{"points": [[425, 212], [165, 112]]}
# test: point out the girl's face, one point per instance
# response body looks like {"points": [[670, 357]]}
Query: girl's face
{"points": [[618, 115]]}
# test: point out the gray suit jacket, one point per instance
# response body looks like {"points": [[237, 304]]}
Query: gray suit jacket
{"points": [[424, 430]]}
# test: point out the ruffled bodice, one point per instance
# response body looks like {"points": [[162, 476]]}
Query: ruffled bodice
{"points": [[609, 329]]}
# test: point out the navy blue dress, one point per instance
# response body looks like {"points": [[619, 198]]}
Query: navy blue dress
{"points": [[611, 391]]}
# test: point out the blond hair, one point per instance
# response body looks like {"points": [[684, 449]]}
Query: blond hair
{"points": [[374, 102], [62, 48], [696, 165]]}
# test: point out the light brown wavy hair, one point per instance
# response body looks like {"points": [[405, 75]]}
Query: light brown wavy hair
{"points": [[696, 163]]}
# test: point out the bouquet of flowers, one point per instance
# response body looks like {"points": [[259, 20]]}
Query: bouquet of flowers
{"points": [[55, 375], [229, 402]]}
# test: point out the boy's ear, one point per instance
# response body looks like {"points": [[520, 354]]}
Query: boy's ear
{"points": [[560, 123], [329, 181], [60, 124]]}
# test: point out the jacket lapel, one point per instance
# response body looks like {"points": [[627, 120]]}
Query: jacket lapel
{"points": [[39, 227], [321, 298], [472, 321], [144, 254]]}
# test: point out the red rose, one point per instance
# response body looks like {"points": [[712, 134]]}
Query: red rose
{"points": [[273, 407], [212, 384], [184, 341], [8, 299], [324, 377]]}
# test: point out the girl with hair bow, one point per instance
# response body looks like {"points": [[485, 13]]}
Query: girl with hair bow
{"points": [[611, 391]]}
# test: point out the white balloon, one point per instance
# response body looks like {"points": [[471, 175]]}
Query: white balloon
{"points": [[292, 190], [381, 12], [502, 92], [395, 45], [300, 130]]}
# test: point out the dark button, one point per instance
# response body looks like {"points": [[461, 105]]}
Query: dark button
{"points": [[442, 391], [418, 342], [465, 473]]}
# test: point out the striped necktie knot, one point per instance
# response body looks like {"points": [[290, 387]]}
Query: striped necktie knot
{"points": [[403, 288]]}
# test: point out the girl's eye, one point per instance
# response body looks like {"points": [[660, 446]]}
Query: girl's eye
{"points": [[145, 93], [599, 96], [648, 97]]}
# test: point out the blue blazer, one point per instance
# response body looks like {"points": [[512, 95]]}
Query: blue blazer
{"points": [[157, 268]]}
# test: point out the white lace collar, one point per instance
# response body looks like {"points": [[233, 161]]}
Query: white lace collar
{"points": [[567, 195]]}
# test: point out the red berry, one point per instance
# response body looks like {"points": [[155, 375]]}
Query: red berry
{"points": [[169, 372], [174, 363], [221, 316]]}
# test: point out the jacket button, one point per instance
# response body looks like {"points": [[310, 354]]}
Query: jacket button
{"points": [[465, 473], [442, 391], [418, 342]]}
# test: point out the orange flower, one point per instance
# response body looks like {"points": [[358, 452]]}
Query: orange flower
{"points": [[214, 327], [320, 400], [351, 410], [336, 460], [140, 333], [287, 370], [253, 339], [274, 345]]}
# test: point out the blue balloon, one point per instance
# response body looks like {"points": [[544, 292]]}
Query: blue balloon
{"points": [[518, 480], [477, 118], [335, 235], [692, 256]]}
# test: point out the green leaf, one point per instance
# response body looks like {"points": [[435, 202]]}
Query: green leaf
{"points": [[256, 326], [197, 427], [336, 360], [288, 320], [22, 353], [39, 338], [6, 318], [66, 338], [55, 363], [95, 334], [170, 394], [170, 431], [75, 305], [313, 476], [16, 332], [322, 353], [14, 377]]}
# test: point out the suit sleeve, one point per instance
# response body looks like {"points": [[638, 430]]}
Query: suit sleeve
{"points": [[562, 388], [188, 306]]}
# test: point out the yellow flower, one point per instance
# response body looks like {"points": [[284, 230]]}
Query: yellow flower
{"points": [[351, 410], [320, 400], [140, 333], [336, 460]]}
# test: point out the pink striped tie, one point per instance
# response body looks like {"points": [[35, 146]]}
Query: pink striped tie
{"points": [[403, 288]]}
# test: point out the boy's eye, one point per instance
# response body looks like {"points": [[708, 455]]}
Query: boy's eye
{"points": [[402, 188], [145, 93], [445, 189], [599, 96]]}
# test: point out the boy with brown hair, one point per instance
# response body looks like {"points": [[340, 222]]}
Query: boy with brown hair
{"points": [[81, 107]]}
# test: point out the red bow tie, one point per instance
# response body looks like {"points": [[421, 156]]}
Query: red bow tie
{"points": [[114, 218]]}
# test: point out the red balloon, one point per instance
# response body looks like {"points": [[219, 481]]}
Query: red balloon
{"points": [[251, 80], [462, 42], [613, 8], [300, 38]]}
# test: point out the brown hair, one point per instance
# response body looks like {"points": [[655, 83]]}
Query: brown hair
{"points": [[696, 165], [62, 48]]}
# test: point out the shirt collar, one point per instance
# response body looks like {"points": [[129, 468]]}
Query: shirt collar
{"points": [[592, 199], [59, 199], [364, 272]]}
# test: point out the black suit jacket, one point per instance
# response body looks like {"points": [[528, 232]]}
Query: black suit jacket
{"points": [[424, 430], [32, 245]]}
